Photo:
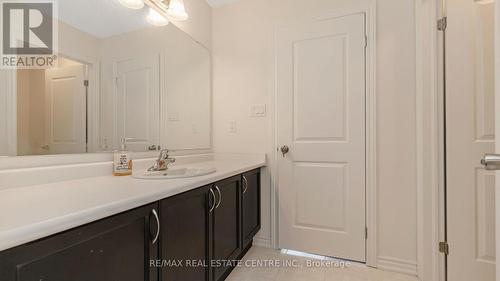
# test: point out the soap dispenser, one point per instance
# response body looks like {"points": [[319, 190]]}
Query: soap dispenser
{"points": [[122, 165]]}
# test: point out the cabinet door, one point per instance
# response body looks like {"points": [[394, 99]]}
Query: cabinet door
{"points": [[185, 224], [118, 248], [251, 206], [226, 226]]}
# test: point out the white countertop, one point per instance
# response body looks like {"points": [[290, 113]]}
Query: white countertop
{"points": [[32, 212]]}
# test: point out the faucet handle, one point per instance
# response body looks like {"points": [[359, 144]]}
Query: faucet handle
{"points": [[163, 154], [162, 162]]}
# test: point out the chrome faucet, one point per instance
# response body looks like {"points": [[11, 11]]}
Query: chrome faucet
{"points": [[161, 164]]}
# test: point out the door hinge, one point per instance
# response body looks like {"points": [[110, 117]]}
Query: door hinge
{"points": [[86, 83], [366, 41], [366, 233], [442, 24], [444, 248]]}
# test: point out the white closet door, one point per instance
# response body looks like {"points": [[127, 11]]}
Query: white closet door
{"points": [[138, 101], [321, 118]]}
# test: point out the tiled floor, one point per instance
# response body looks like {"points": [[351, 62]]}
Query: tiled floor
{"points": [[296, 268]]}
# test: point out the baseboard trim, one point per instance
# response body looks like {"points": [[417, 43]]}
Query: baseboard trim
{"points": [[262, 242], [397, 265]]}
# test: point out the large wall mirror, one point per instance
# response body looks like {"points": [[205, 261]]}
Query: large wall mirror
{"points": [[117, 77]]}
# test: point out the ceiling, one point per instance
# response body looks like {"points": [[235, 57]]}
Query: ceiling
{"points": [[216, 3], [101, 18]]}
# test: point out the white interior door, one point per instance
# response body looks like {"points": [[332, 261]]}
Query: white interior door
{"points": [[470, 134], [321, 118], [138, 102], [66, 110]]}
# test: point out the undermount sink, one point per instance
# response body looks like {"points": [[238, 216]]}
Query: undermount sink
{"points": [[175, 173]]}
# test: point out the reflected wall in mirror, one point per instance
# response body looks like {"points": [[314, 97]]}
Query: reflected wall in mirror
{"points": [[117, 77]]}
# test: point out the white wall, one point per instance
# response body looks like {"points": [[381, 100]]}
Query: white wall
{"points": [[396, 130], [8, 127], [23, 112], [189, 84], [30, 111], [243, 50], [75, 43], [199, 24]]}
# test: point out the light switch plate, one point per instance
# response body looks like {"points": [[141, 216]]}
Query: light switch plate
{"points": [[173, 117], [232, 127], [257, 110]]}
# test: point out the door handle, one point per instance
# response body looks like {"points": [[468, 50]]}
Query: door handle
{"points": [[213, 202], [152, 147], [155, 214], [491, 162], [284, 150], [220, 197], [245, 184]]}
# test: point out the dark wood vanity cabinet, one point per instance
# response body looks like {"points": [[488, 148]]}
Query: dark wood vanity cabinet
{"points": [[226, 227], [185, 235], [193, 236], [202, 227], [251, 193], [118, 248]]}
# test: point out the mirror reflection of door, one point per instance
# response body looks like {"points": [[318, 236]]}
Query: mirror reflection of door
{"points": [[52, 109], [137, 104]]}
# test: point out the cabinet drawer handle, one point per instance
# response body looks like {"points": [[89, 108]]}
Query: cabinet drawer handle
{"points": [[245, 184], [213, 202], [220, 197], [155, 214]]}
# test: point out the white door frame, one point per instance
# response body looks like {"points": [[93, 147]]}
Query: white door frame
{"points": [[430, 139], [497, 130], [93, 103], [371, 181]]}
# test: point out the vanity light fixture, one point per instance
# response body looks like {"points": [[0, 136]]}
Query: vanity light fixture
{"points": [[159, 10], [176, 10], [132, 4], [156, 19], [173, 9]]}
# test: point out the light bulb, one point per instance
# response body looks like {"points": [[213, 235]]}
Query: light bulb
{"points": [[156, 18], [176, 10], [132, 4]]}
